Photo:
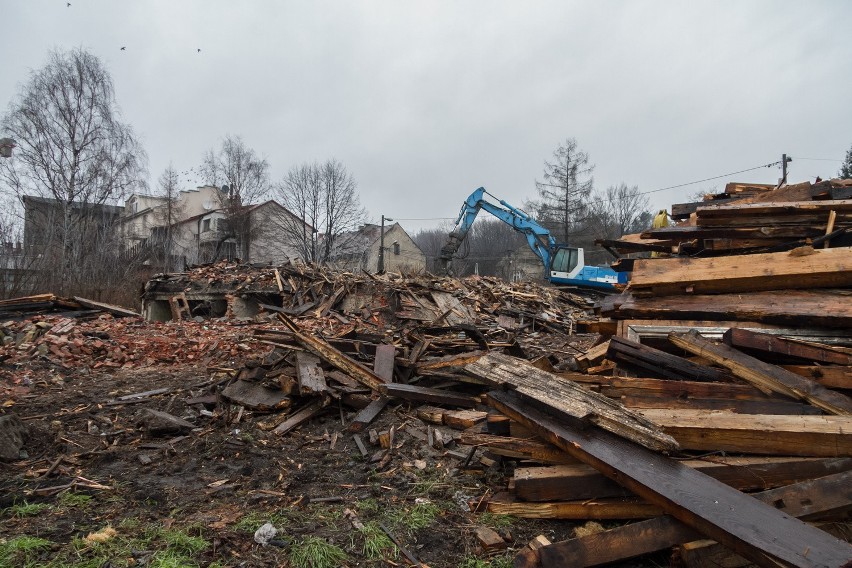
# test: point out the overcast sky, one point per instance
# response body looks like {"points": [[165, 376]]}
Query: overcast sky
{"points": [[426, 101]]}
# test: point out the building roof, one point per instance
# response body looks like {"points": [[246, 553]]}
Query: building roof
{"points": [[112, 209]]}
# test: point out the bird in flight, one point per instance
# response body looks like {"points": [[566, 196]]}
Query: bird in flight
{"points": [[68, 4], [123, 48], [199, 50]]}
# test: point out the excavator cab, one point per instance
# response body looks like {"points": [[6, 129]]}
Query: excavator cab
{"points": [[566, 262]]}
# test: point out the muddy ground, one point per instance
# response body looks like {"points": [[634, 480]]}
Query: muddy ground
{"points": [[196, 498]]}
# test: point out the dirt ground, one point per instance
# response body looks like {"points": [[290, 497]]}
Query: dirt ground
{"points": [[196, 498]]}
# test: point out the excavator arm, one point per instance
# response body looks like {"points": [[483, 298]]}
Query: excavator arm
{"points": [[538, 238]]}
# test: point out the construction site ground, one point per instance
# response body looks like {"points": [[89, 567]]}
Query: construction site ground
{"points": [[197, 499]]}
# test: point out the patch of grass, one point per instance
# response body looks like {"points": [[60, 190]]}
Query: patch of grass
{"points": [[250, 522], [181, 542], [420, 516], [26, 509], [314, 552], [377, 544], [368, 507], [76, 500], [172, 559], [474, 562], [496, 521], [21, 550]]}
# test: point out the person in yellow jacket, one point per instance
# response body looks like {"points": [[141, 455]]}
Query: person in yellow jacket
{"points": [[661, 220]]}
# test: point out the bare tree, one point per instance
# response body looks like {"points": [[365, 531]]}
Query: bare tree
{"points": [[324, 199], [171, 211], [74, 160], [243, 177], [618, 211], [565, 190]]}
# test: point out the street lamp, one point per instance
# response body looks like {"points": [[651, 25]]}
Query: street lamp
{"points": [[382, 245], [6, 145]]}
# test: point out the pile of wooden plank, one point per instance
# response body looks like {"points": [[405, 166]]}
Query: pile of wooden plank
{"points": [[763, 219], [76, 307], [737, 344]]}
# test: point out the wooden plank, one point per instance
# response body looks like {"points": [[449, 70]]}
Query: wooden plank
{"points": [[302, 415], [749, 527], [816, 436], [449, 362], [332, 356], [424, 394], [383, 363], [309, 374], [503, 371], [766, 343], [750, 211], [764, 375], [624, 542], [803, 308], [579, 481], [617, 387], [530, 449], [593, 356], [826, 496], [711, 554], [828, 376], [463, 419], [802, 268], [368, 414], [661, 363], [731, 405], [117, 311], [599, 509]]}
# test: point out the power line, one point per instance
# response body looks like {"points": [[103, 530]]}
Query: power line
{"points": [[818, 159]]}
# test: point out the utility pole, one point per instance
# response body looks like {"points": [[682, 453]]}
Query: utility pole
{"points": [[784, 161], [381, 267]]}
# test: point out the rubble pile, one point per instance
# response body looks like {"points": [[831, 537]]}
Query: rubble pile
{"points": [[709, 404]]}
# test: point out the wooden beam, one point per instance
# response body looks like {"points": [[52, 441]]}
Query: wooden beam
{"points": [[507, 372], [731, 405], [764, 375], [368, 414], [332, 356], [424, 394], [384, 360], [302, 415], [520, 448], [816, 436], [309, 374], [803, 308], [828, 376], [766, 343], [617, 387], [579, 481], [824, 496], [749, 527], [661, 363], [802, 268], [505, 504]]}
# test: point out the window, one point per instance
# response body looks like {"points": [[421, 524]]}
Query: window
{"points": [[205, 226], [396, 248], [565, 260]]}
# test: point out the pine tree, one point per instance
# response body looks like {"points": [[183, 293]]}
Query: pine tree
{"points": [[846, 169]]}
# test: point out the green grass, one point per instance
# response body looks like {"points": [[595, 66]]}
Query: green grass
{"points": [[314, 552], [173, 548], [417, 517], [26, 509], [76, 500], [499, 562], [496, 521], [22, 551], [377, 544]]}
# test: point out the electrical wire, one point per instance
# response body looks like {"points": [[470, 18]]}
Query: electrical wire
{"points": [[817, 159]]}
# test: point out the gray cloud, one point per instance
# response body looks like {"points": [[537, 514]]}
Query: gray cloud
{"points": [[425, 101]]}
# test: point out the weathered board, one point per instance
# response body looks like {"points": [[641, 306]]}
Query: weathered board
{"points": [[749, 527], [507, 372]]}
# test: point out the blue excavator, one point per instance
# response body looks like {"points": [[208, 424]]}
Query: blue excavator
{"points": [[563, 265]]}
